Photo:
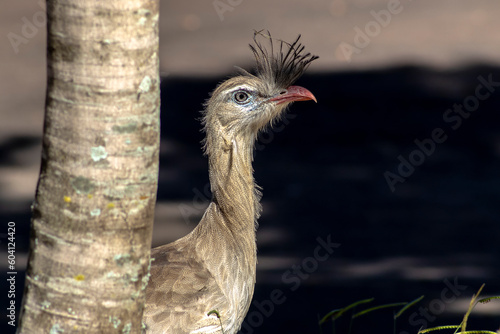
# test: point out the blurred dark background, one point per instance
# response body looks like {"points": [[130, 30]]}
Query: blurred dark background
{"points": [[324, 171]]}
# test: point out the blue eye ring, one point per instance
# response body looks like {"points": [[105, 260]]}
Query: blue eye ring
{"points": [[241, 97]]}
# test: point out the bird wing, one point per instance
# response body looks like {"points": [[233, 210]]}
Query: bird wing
{"points": [[181, 292]]}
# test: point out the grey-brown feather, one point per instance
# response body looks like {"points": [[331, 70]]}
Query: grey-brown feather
{"points": [[213, 267]]}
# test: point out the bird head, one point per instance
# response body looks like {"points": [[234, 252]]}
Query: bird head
{"points": [[245, 104]]}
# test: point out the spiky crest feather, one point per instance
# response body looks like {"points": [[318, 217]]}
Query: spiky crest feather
{"points": [[284, 67]]}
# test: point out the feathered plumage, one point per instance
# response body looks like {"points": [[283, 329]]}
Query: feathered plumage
{"points": [[284, 67], [213, 267]]}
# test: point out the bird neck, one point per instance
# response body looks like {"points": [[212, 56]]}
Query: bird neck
{"points": [[234, 191], [225, 236]]}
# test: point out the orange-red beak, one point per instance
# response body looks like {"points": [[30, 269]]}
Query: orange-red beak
{"points": [[294, 93]]}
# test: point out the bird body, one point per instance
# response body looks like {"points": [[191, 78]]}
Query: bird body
{"points": [[204, 282]]}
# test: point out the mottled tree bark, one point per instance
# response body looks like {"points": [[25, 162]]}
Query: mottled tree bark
{"points": [[93, 213]]}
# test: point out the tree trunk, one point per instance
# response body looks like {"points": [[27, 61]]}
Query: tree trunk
{"points": [[93, 213]]}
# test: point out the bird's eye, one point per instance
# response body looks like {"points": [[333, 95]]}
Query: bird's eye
{"points": [[241, 97]]}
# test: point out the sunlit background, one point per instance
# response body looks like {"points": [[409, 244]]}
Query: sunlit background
{"points": [[389, 76]]}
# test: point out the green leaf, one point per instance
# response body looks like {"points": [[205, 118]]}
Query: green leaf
{"points": [[377, 308], [477, 332], [335, 314], [437, 329], [488, 299], [214, 312], [472, 303], [407, 306]]}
